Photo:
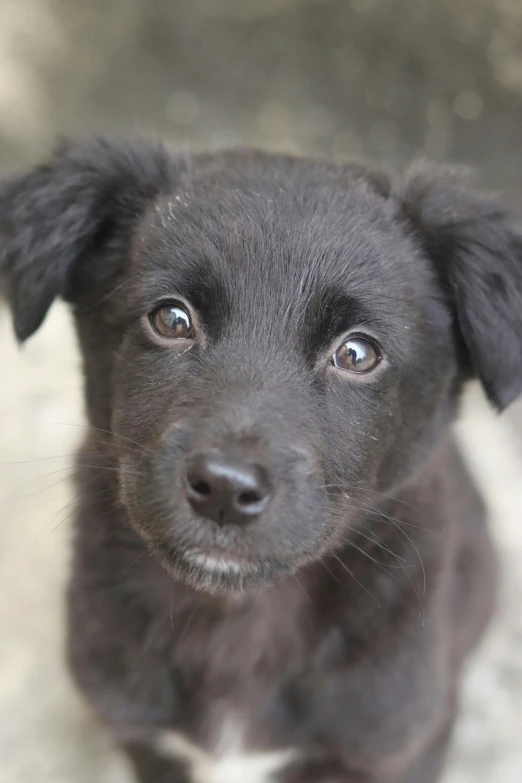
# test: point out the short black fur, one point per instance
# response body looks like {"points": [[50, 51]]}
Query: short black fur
{"points": [[377, 570]]}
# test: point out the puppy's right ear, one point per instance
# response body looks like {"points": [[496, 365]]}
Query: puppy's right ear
{"points": [[56, 218]]}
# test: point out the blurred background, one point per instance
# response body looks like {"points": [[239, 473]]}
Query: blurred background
{"points": [[382, 80]]}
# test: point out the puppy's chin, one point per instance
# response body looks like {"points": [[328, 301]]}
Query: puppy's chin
{"points": [[219, 573]]}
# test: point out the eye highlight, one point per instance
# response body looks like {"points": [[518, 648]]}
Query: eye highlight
{"points": [[357, 354], [172, 321]]}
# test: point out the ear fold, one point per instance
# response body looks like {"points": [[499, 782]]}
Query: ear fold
{"points": [[476, 246], [56, 217]]}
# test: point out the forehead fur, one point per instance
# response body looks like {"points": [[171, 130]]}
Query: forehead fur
{"points": [[303, 236]]}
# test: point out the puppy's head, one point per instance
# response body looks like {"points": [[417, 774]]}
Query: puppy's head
{"points": [[267, 335]]}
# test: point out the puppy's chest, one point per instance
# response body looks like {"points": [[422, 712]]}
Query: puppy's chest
{"points": [[226, 753], [235, 723]]}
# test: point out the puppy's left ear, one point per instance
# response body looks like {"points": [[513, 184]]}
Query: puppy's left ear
{"points": [[60, 221], [475, 243]]}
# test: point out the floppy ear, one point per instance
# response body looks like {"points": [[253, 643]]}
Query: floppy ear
{"points": [[55, 218], [475, 243]]}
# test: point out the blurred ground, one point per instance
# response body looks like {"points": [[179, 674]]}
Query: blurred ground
{"points": [[381, 79]]}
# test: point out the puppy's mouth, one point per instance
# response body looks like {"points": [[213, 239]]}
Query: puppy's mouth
{"points": [[218, 561], [215, 570]]}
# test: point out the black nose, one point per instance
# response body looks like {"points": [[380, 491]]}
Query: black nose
{"points": [[228, 491]]}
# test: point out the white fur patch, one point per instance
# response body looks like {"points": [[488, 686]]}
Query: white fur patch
{"points": [[228, 764], [215, 564]]}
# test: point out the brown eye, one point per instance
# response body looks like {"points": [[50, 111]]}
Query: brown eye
{"points": [[173, 322], [357, 354]]}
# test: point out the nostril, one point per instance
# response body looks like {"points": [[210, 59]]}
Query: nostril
{"points": [[199, 487], [249, 498]]}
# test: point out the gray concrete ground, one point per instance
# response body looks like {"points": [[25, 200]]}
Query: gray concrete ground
{"points": [[347, 78]]}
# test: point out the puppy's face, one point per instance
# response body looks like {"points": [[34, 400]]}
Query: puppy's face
{"points": [[279, 354], [275, 346]]}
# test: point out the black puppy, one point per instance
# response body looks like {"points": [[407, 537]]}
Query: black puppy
{"points": [[280, 561]]}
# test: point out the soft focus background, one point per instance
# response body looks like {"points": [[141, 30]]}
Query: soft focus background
{"points": [[376, 79]]}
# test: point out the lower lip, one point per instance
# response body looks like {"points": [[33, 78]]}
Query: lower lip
{"points": [[216, 563]]}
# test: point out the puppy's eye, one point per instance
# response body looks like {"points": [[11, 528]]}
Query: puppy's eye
{"points": [[173, 322], [357, 354]]}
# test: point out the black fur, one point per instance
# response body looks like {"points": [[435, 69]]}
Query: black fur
{"points": [[377, 567]]}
